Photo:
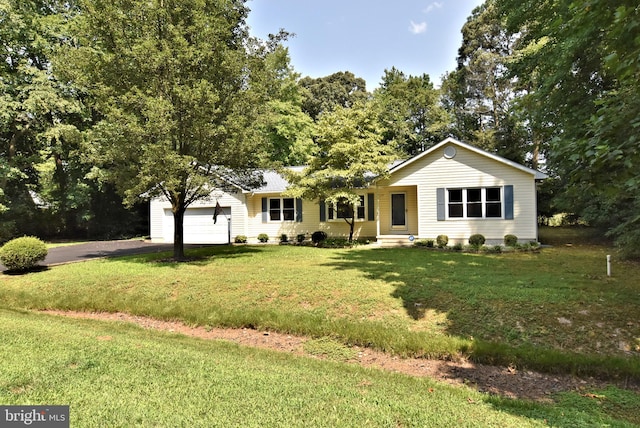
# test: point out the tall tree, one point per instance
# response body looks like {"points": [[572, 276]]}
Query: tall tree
{"points": [[481, 94], [342, 89], [289, 133], [178, 85], [350, 155], [411, 112], [39, 115], [288, 129], [586, 56]]}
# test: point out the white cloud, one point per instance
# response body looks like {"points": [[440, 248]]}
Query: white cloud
{"points": [[433, 6], [418, 28]]}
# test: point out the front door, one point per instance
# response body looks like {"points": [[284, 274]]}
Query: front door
{"points": [[398, 211]]}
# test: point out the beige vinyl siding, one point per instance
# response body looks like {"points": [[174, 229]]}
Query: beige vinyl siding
{"points": [[469, 170], [309, 224], [274, 229], [411, 207]]}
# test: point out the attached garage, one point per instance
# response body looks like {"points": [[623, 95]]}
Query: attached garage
{"points": [[199, 227]]}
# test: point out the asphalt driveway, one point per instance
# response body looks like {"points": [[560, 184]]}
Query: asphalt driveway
{"points": [[98, 249]]}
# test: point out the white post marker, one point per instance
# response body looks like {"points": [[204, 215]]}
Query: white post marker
{"points": [[608, 265]]}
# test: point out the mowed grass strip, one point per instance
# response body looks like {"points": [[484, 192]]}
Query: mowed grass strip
{"points": [[555, 310], [118, 375]]}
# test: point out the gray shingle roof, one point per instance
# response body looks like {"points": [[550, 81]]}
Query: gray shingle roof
{"points": [[274, 182]]}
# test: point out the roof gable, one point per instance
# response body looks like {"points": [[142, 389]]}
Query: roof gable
{"points": [[274, 182], [452, 141]]}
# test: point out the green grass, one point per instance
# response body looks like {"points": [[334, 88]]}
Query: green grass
{"points": [[118, 375], [330, 349], [555, 310]]}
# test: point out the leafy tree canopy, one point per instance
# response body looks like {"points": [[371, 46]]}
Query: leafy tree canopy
{"points": [[411, 111], [481, 95], [40, 116], [350, 154], [342, 89], [586, 60], [178, 86], [288, 129]]}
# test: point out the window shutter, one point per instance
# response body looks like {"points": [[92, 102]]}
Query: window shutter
{"points": [[508, 202], [441, 206], [298, 210], [265, 212], [371, 214], [323, 211]]}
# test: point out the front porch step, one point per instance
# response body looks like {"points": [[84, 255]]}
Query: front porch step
{"points": [[394, 241]]}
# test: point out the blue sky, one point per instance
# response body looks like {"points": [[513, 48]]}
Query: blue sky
{"points": [[366, 36]]}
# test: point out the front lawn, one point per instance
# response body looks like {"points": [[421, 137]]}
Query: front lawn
{"points": [[555, 310], [117, 375]]}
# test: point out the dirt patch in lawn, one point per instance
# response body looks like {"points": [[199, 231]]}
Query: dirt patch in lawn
{"points": [[504, 381]]}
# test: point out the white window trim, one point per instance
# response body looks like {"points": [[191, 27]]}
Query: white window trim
{"points": [[282, 220], [483, 202]]}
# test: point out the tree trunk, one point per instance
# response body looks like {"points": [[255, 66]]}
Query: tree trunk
{"points": [[11, 153], [67, 216], [351, 226], [535, 157], [178, 232]]}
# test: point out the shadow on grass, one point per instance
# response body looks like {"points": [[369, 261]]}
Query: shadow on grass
{"points": [[609, 406], [512, 307], [15, 272], [425, 281], [194, 255]]}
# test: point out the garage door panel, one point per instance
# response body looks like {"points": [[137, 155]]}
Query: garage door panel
{"points": [[199, 227]]}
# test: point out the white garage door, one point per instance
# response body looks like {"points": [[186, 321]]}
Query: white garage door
{"points": [[199, 227]]}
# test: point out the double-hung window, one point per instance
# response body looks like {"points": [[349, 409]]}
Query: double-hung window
{"points": [[493, 202], [282, 209], [477, 202], [343, 209]]}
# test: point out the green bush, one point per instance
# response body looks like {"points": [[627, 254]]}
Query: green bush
{"points": [[510, 240], [457, 246], [496, 249], [284, 238], [424, 243], [22, 254], [318, 236], [337, 243], [476, 240], [442, 241], [300, 238], [263, 237], [240, 239]]}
